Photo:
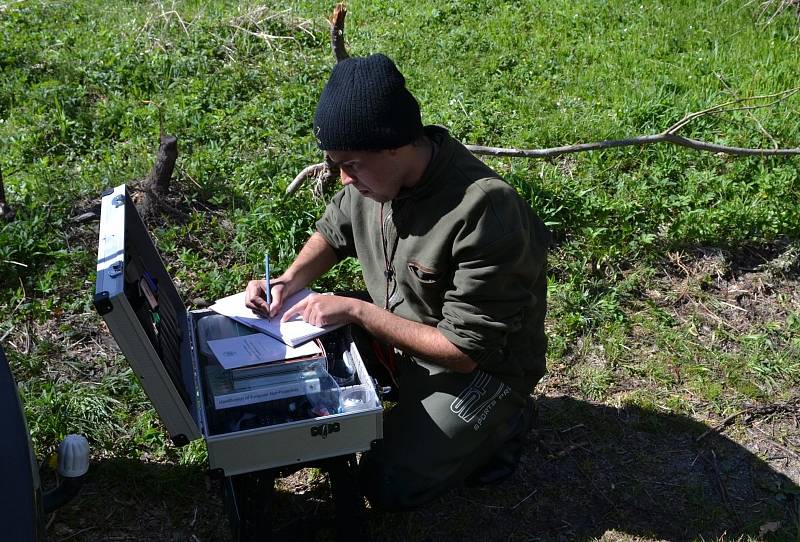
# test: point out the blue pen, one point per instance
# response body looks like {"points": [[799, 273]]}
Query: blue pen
{"points": [[266, 279]]}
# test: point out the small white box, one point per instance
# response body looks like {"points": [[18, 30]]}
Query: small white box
{"points": [[138, 300]]}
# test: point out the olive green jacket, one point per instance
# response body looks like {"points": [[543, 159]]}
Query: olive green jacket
{"points": [[460, 251]]}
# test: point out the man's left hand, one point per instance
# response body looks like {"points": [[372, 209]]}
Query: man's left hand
{"points": [[325, 310]]}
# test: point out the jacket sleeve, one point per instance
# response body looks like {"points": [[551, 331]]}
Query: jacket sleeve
{"points": [[499, 256], [336, 226]]}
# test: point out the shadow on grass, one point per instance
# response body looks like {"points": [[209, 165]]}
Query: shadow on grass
{"points": [[592, 471]]}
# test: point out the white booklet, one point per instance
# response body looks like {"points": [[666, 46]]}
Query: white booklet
{"points": [[235, 352], [295, 331]]}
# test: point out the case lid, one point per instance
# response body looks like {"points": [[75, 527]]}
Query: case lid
{"points": [[138, 300]]}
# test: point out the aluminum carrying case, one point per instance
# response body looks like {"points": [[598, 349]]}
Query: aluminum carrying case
{"points": [[158, 335]]}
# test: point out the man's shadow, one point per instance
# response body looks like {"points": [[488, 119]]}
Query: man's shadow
{"points": [[588, 472], [592, 469]]}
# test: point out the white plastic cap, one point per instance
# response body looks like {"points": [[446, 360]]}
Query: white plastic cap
{"points": [[73, 456]]}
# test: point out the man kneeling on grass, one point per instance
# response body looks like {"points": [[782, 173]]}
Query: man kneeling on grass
{"points": [[454, 261]]}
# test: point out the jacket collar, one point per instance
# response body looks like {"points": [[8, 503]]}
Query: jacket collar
{"points": [[443, 151]]}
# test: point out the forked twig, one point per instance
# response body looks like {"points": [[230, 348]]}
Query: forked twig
{"points": [[750, 114], [724, 107]]}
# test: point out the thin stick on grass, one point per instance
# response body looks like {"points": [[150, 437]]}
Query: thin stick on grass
{"points": [[597, 490], [724, 107], [531, 494], [752, 412], [500, 507], [76, 533], [173, 12]]}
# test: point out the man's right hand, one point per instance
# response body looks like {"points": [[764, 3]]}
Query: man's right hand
{"points": [[255, 299], [315, 258]]}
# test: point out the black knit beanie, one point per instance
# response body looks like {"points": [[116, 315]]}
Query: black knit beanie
{"points": [[365, 106]]}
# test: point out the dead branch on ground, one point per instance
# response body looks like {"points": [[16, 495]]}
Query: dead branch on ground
{"points": [[670, 135]]}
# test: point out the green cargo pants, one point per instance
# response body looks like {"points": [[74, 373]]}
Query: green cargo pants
{"points": [[443, 427]]}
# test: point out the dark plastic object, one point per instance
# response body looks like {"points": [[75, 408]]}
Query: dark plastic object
{"points": [[21, 513]]}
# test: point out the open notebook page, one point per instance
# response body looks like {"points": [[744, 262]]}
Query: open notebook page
{"points": [[295, 331]]}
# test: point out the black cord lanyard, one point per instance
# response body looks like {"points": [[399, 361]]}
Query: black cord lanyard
{"points": [[388, 258]]}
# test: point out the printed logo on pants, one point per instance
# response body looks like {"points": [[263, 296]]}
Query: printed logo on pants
{"points": [[477, 396]]}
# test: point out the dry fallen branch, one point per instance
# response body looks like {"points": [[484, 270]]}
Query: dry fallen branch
{"points": [[264, 35], [773, 442], [720, 426], [669, 135], [723, 488], [634, 141], [725, 107]]}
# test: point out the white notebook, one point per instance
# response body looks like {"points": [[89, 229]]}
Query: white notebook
{"points": [[295, 331]]}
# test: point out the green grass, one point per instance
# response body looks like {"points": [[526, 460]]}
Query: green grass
{"points": [[82, 85]]}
